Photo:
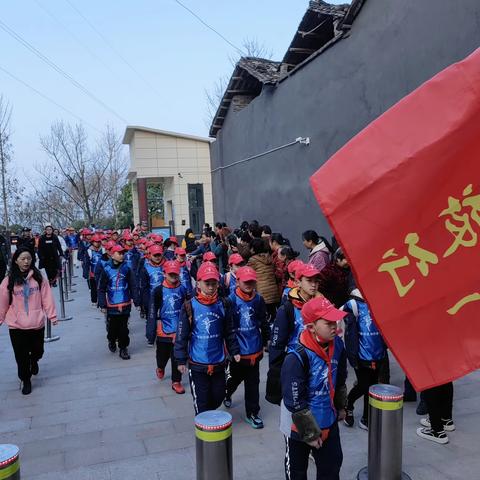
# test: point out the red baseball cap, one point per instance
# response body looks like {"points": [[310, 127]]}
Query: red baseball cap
{"points": [[110, 245], [307, 270], [209, 256], [235, 259], [173, 240], [117, 248], [157, 238], [127, 236], [246, 274], [320, 307], [96, 238], [171, 266], [208, 271], [155, 249], [294, 266], [180, 251]]}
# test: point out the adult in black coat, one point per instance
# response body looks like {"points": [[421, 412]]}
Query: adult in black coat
{"points": [[27, 241], [49, 254]]}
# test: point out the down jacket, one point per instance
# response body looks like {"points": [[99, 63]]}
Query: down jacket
{"points": [[267, 285]]}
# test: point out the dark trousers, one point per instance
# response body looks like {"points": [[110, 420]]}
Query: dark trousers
{"points": [[366, 377], [328, 458], [208, 391], [250, 376], [164, 354], [150, 327], [117, 330], [27, 347], [439, 402], [93, 290]]}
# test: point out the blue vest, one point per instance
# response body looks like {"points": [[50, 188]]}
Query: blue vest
{"points": [[94, 259], [73, 241], [319, 400], [370, 343], [172, 301], [186, 279], [233, 283], [129, 256], [155, 273], [285, 293], [246, 325], [297, 329], [118, 289], [206, 340]]}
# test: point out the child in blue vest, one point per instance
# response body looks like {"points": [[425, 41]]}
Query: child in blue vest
{"points": [[288, 325], [185, 276], [92, 256], [235, 261], [116, 291], [204, 328], [166, 302], [314, 394], [150, 276], [252, 330], [366, 352], [132, 256]]}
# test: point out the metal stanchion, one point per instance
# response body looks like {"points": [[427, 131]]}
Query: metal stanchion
{"points": [[71, 263], [385, 429], [48, 335], [68, 279], [62, 289], [9, 462], [64, 283], [213, 431]]}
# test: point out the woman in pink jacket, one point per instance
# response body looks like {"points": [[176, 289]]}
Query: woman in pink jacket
{"points": [[25, 301]]}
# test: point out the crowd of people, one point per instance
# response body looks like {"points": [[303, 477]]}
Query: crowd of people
{"points": [[214, 307]]}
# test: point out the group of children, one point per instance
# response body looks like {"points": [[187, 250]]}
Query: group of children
{"points": [[214, 327]]}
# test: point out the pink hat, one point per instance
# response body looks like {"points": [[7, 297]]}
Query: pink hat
{"points": [[180, 251], [171, 266], [246, 274], [235, 259], [307, 270], [208, 271], [209, 256], [117, 248], [294, 266], [155, 250], [320, 307]]}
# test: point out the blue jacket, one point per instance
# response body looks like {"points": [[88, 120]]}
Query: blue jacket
{"points": [[100, 266], [363, 341], [72, 240], [131, 258], [203, 331], [307, 386], [83, 246], [250, 324], [186, 279], [116, 288], [90, 261], [165, 306]]}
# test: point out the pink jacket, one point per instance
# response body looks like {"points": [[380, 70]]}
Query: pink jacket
{"points": [[27, 313]]}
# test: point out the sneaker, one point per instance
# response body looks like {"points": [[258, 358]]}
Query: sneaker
{"points": [[363, 424], [422, 408], [254, 420], [34, 367], [112, 346], [27, 387], [124, 355], [177, 387], [150, 344], [429, 434], [349, 419], [448, 425], [228, 402], [160, 373]]}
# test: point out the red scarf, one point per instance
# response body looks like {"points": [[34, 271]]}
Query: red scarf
{"points": [[207, 299], [245, 296], [309, 341]]}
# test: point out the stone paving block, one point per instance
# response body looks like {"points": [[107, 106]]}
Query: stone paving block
{"points": [[138, 431], [15, 425], [103, 454], [31, 467], [34, 434]]}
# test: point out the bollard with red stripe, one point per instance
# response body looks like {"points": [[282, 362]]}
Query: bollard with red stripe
{"points": [[9, 462], [213, 432]]}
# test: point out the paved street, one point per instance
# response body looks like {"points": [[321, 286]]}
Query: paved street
{"points": [[94, 416]]}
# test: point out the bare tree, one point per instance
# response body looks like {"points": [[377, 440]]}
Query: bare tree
{"points": [[78, 179], [5, 156], [251, 47]]}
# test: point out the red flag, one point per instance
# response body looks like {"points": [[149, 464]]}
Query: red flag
{"points": [[403, 199]]}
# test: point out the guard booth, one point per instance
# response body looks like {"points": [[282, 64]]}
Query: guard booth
{"points": [[181, 165]]}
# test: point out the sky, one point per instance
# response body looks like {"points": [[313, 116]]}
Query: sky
{"points": [[149, 61]]}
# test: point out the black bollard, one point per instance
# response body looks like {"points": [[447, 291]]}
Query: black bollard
{"points": [[64, 283], [213, 430], [385, 432]]}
